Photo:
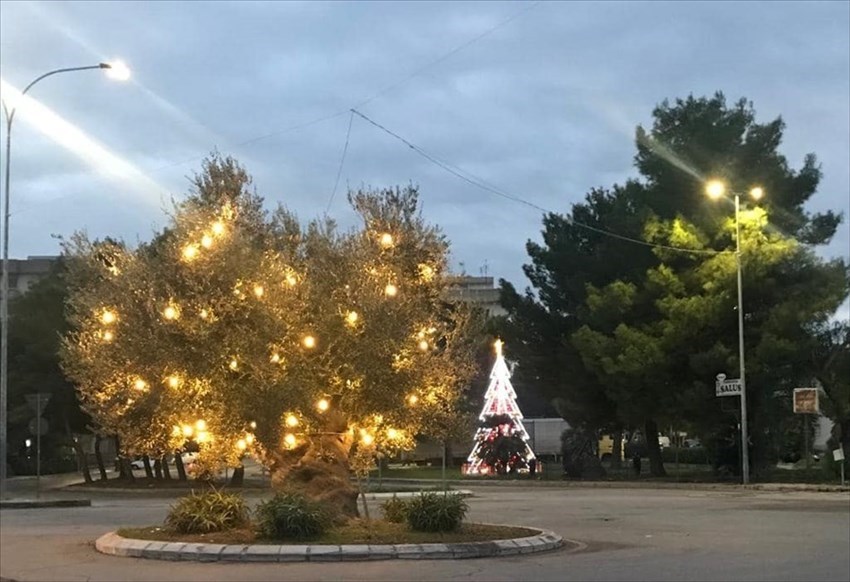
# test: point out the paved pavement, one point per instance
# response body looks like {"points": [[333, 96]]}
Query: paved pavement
{"points": [[630, 535]]}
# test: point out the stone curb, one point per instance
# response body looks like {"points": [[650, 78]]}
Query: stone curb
{"points": [[410, 494], [115, 545], [35, 504]]}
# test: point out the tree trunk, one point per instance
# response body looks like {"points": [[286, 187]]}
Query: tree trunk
{"points": [[82, 461], [319, 468], [166, 471], [617, 449], [157, 468], [656, 464], [238, 476], [99, 457], [181, 469], [148, 470], [125, 471]]}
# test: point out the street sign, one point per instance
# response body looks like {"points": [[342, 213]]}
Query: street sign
{"points": [[806, 401], [727, 387], [37, 402], [838, 454], [38, 427]]}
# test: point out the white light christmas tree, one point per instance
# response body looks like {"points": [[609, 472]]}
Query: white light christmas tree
{"points": [[501, 443]]}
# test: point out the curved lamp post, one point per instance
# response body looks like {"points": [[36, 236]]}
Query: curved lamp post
{"points": [[115, 70], [716, 189]]}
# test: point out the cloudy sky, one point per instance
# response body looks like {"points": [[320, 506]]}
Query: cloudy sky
{"points": [[540, 100]]}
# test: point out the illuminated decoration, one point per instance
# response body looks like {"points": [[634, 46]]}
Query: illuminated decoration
{"points": [[249, 438], [218, 228], [390, 290], [366, 438], [275, 358], [323, 405], [387, 240], [201, 425], [292, 421], [351, 318], [175, 431], [259, 291], [171, 312], [253, 424], [173, 381], [203, 436], [108, 336], [291, 279], [241, 444], [206, 241], [412, 399], [108, 317], [140, 384], [501, 423], [290, 440], [426, 272], [187, 430], [392, 434], [423, 345], [204, 314], [309, 342], [190, 252], [234, 364]]}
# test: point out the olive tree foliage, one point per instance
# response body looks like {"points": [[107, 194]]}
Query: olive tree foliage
{"points": [[248, 332]]}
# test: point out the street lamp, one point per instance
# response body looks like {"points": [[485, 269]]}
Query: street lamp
{"points": [[115, 70], [716, 189]]}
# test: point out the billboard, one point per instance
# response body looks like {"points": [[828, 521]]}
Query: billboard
{"points": [[806, 401]]}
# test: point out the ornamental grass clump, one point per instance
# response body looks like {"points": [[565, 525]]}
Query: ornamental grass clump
{"points": [[433, 512], [207, 511], [290, 515]]}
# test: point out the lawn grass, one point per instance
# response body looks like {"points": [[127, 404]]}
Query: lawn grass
{"points": [[356, 531]]}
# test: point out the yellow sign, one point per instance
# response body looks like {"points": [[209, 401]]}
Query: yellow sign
{"points": [[806, 401]]}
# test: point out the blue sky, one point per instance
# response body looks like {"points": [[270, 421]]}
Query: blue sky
{"points": [[543, 106]]}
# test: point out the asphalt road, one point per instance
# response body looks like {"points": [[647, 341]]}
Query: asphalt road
{"points": [[631, 534]]}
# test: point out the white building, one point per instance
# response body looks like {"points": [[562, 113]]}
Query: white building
{"points": [[479, 291]]}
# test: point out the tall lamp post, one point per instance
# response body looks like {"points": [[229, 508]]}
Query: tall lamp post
{"points": [[115, 70], [716, 189]]}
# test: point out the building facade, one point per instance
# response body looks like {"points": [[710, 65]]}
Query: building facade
{"points": [[479, 291], [24, 272]]}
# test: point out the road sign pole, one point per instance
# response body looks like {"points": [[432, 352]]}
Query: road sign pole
{"points": [[806, 441], [38, 449]]}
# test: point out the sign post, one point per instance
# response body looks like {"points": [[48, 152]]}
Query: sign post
{"points": [[735, 387], [838, 455], [38, 402], [805, 403]]}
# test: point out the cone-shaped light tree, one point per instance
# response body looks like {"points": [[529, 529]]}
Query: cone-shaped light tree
{"points": [[246, 332]]}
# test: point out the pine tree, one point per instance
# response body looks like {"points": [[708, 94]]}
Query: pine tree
{"points": [[501, 442]]}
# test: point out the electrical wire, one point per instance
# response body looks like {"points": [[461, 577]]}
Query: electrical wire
{"points": [[341, 161], [483, 185]]}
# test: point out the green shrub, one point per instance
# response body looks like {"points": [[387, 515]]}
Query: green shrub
{"points": [[395, 510], [290, 515], [207, 511], [433, 512]]}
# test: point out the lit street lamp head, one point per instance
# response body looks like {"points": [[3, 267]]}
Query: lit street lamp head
{"points": [[715, 189], [757, 193], [116, 70]]}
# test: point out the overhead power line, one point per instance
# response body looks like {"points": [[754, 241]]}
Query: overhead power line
{"points": [[480, 183], [341, 161]]}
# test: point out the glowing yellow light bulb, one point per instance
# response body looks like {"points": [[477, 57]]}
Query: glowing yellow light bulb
{"points": [[291, 421], [108, 336], [203, 436], [290, 440], [201, 425], [367, 439], [275, 358], [390, 290], [387, 240], [253, 424], [423, 345], [412, 399], [259, 291], [426, 272], [190, 252], [233, 365], [173, 381], [392, 433], [351, 318], [107, 317], [241, 444], [204, 314], [323, 405], [291, 279], [715, 189], [187, 430], [206, 241], [170, 312], [309, 341], [217, 228], [757, 193], [140, 384], [249, 438]]}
